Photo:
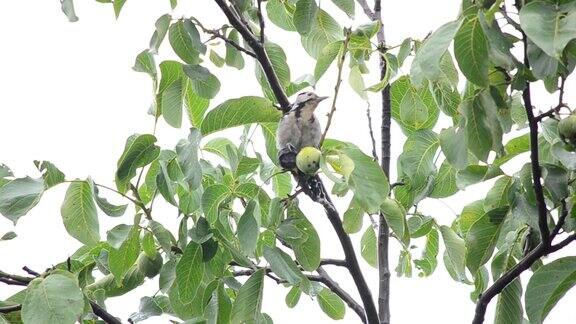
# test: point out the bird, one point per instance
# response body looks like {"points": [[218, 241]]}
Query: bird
{"points": [[298, 128]]}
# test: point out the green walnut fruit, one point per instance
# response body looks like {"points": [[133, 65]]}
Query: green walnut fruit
{"points": [[150, 267], [308, 160], [567, 131]]}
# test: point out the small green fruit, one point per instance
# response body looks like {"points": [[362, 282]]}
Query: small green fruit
{"points": [[308, 160], [567, 131], [149, 267]]}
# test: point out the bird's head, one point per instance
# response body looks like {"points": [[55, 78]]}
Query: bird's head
{"points": [[307, 101]]}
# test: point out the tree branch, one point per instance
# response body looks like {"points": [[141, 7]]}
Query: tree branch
{"points": [[371, 131], [24, 281], [335, 262], [260, 53], [341, 59], [383, 229]]}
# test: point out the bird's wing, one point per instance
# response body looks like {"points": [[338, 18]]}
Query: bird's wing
{"points": [[288, 132]]}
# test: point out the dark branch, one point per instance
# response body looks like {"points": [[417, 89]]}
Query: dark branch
{"points": [[260, 53], [10, 309], [30, 271], [139, 203], [552, 112], [371, 131], [335, 262]]}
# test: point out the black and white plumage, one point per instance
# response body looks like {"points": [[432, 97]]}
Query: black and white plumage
{"points": [[298, 128]]}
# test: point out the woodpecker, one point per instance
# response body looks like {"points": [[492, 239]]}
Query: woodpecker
{"points": [[298, 128]]}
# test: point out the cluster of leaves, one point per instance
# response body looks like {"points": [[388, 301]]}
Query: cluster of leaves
{"points": [[501, 228], [234, 214]]}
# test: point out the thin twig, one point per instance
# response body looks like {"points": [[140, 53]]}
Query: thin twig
{"points": [[374, 153], [340, 65], [139, 202], [261, 21], [10, 309], [215, 33], [560, 105], [31, 272]]}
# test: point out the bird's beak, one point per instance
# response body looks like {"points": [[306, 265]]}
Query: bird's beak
{"points": [[322, 98]]}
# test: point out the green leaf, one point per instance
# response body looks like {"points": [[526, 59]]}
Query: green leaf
{"points": [[283, 265], [427, 264], [68, 10], [469, 215], [357, 82], [324, 31], [79, 213], [189, 272], [513, 148], [248, 229], [416, 162], [473, 174], [547, 286], [279, 65], [216, 58], [367, 180], [161, 25], [453, 146], [19, 196], [185, 40], [171, 103], [346, 5], [280, 13], [412, 108], [471, 51], [54, 299], [455, 254], [395, 215], [50, 173], [196, 106], [139, 151], [305, 15], [118, 4], [327, 56], [233, 56], [444, 182], [204, 83], [240, 111], [482, 237], [331, 304], [477, 128], [550, 26], [352, 219], [212, 197], [145, 63], [501, 194], [293, 297], [428, 57], [8, 236], [248, 303], [307, 246], [120, 260], [368, 247], [509, 306]]}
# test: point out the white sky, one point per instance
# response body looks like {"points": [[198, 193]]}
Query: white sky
{"points": [[69, 96]]}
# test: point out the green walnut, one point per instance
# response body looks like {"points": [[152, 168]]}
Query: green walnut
{"points": [[150, 267], [567, 131], [308, 160]]}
